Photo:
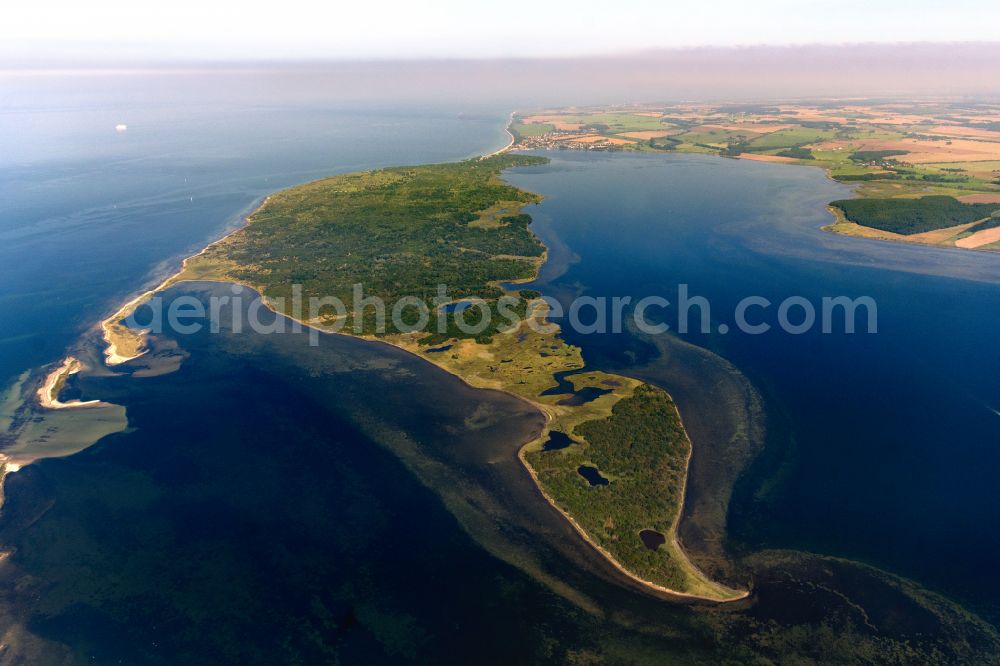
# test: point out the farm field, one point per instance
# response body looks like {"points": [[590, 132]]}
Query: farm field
{"points": [[890, 150]]}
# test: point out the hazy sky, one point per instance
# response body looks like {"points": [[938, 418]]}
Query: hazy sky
{"points": [[57, 30]]}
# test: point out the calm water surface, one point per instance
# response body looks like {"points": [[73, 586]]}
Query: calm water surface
{"points": [[880, 447], [302, 495], [89, 215], [354, 503]]}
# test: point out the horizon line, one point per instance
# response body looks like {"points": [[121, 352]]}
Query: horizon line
{"points": [[126, 63]]}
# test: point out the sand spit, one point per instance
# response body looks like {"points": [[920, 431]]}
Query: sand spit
{"points": [[48, 394]]}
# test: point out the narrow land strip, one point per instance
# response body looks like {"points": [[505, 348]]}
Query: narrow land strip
{"points": [[419, 209]]}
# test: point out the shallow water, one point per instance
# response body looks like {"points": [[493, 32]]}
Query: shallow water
{"points": [[301, 495], [879, 447], [354, 502], [267, 470], [90, 215]]}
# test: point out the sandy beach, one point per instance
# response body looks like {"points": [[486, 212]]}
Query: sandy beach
{"points": [[112, 354], [510, 144], [48, 394]]}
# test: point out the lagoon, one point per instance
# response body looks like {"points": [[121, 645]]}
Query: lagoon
{"points": [[878, 447], [352, 500]]}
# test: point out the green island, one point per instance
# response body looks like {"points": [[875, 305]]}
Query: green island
{"points": [[618, 472]]}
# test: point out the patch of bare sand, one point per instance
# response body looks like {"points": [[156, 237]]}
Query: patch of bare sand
{"points": [[757, 157], [980, 238], [48, 394], [980, 198]]}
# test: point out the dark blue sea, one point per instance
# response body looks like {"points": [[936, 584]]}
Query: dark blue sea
{"points": [[273, 502], [880, 447]]}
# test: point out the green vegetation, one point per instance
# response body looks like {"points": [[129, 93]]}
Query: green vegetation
{"points": [[642, 449], [991, 223], [798, 153], [664, 143], [618, 122], [530, 129], [875, 155], [714, 137], [820, 124], [864, 177], [987, 167], [398, 232], [734, 148], [913, 216], [403, 231], [853, 144], [791, 138], [936, 177]]}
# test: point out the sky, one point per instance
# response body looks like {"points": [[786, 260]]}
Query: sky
{"points": [[56, 31]]}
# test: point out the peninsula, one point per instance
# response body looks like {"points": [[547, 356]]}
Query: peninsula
{"points": [[613, 457], [614, 454]]}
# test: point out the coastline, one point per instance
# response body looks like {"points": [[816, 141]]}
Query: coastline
{"points": [[690, 126], [510, 144], [547, 412], [109, 325], [741, 594], [844, 227], [125, 344], [48, 394], [936, 238]]}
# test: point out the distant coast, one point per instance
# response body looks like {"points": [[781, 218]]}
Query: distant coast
{"points": [[891, 152], [510, 144]]}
